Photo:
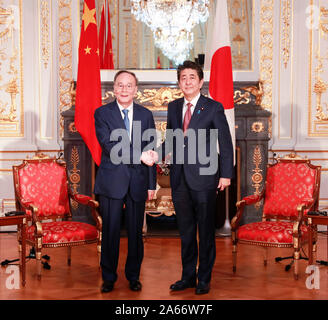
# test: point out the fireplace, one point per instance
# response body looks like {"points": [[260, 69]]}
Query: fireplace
{"points": [[252, 136]]}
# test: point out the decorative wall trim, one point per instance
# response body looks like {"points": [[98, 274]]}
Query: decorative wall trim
{"points": [[257, 177], [286, 14], [65, 57], [266, 51], [318, 71], [45, 38], [11, 70]]}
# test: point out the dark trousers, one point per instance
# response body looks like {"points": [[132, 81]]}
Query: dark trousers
{"points": [[111, 212], [196, 209]]}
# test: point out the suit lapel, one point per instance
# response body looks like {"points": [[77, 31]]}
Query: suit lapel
{"points": [[137, 116], [116, 116], [197, 112], [179, 113]]}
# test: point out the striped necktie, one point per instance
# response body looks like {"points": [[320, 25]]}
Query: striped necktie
{"points": [[126, 120], [187, 117]]}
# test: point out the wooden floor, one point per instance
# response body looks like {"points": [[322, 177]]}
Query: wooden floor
{"points": [[160, 268]]}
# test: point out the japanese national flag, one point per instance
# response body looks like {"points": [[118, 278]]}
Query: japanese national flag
{"points": [[218, 60]]}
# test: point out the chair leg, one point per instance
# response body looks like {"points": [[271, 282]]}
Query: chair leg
{"points": [[314, 247], [265, 256], [234, 257], [69, 253], [99, 253], [296, 262], [38, 262]]}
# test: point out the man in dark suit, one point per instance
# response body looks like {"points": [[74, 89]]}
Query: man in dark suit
{"points": [[122, 179], [194, 181]]}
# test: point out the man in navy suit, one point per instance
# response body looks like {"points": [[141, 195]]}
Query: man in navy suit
{"points": [[122, 179], [196, 172]]}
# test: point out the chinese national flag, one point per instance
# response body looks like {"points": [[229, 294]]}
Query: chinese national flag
{"points": [[105, 39], [218, 60], [88, 86]]}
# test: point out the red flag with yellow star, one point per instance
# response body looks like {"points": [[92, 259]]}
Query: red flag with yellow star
{"points": [[88, 85]]}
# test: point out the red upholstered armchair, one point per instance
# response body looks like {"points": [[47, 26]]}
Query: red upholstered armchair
{"points": [[42, 191], [291, 189]]}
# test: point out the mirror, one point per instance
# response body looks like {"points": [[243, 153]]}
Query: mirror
{"points": [[133, 43]]}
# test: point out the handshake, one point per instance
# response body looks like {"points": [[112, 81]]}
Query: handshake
{"points": [[149, 157]]}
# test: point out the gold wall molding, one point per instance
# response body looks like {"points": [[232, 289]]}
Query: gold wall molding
{"points": [[159, 97], [65, 57], [318, 73], [72, 128], [74, 174], [241, 97], [257, 92], [266, 51], [11, 69], [286, 12], [257, 127], [240, 34], [45, 39], [319, 88], [257, 177], [324, 20]]}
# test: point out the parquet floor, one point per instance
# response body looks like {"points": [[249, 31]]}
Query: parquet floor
{"points": [[161, 267]]}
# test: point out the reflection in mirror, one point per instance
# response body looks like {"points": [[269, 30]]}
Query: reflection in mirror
{"points": [[134, 45]]}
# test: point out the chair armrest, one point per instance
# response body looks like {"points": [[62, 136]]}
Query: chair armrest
{"points": [[24, 203], [306, 205], [29, 208], [93, 204], [252, 199], [248, 200], [85, 200]]}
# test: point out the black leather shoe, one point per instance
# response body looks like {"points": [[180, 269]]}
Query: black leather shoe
{"points": [[107, 286], [182, 284], [202, 287], [135, 285]]}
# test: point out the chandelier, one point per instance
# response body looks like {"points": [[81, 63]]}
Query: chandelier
{"points": [[171, 22]]}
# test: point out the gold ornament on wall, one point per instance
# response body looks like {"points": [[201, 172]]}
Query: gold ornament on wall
{"points": [[266, 51], [241, 98], [257, 177], [286, 30], [324, 20], [319, 88], [257, 127], [65, 57], [159, 97], [257, 92], [45, 42], [10, 68], [318, 84], [74, 175], [240, 34]]}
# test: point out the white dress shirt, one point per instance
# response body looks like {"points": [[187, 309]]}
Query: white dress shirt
{"points": [[130, 115]]}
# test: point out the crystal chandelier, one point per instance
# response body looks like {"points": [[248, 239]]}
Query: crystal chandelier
{"points": [[171, 22]]}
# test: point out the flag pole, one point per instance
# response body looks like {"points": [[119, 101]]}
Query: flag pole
{"points": [[225, 230]]}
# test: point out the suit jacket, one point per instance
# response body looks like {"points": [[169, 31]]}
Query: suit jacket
{"points": [[115, 180], [208, 114]]}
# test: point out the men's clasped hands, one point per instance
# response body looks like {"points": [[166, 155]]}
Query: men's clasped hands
{"points": [[149, 157]]}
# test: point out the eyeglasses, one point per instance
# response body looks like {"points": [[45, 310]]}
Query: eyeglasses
{"points": [[128, 87]]}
